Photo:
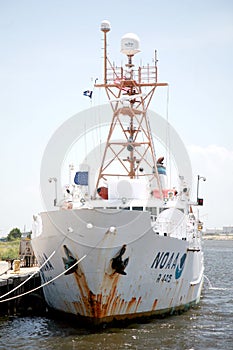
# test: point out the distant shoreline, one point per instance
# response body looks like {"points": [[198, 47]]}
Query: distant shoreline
{"points": [[218, 237]]}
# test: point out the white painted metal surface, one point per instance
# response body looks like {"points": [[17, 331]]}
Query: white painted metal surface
{"points": [[162, 273]]}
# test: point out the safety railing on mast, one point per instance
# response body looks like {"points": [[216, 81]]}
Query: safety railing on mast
{"points": [[142, 75]]}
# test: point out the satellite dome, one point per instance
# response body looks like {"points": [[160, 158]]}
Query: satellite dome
{"points": [[105, 26], [130, 44]]}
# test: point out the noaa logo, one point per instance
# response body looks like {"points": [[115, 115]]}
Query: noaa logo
{"points": [[169, 261], [180, 267]]}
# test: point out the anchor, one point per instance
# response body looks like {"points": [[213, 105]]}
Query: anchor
{"points": [[118, 264], [69, 261]]}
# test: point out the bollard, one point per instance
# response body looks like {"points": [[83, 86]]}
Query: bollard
{"points": [[16, 266]]}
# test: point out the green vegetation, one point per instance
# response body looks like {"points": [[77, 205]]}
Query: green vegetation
{"points": [[9, 250], [14, 234]]}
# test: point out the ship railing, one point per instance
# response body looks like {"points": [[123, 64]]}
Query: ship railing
{"points": [[142, 75], [195, 239]]}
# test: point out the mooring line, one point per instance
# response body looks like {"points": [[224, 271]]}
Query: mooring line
{"points": [[5, 272], [45, 262], [20, 285], [46, 283], [215, 288], [53, 279]]}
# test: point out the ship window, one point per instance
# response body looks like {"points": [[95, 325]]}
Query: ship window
{"points": [[111, 207], [125, 208], [138, 208]]}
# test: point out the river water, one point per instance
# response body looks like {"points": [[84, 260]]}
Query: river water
{"points": [[209, 326]]}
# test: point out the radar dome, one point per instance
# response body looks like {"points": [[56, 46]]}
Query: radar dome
{"points": [[105, 26], [130, 44]]}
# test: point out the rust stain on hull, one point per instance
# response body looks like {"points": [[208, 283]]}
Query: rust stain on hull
{"points": [[109, 306], [154, 304], [106, 304]]}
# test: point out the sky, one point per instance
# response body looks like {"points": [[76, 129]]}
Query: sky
{"points": [[51, 51]]}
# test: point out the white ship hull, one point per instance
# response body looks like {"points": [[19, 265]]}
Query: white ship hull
{"points": [[163, 273]]}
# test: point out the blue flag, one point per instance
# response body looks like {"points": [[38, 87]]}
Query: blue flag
{"points": [[88, 93], [161, 169], [81, 178]]}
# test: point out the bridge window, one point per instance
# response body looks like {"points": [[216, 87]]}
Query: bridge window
{"points": [[138, 208]]}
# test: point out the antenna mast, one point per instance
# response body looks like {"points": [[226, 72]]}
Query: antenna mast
{"points": [[129, 91], [105, 28]]}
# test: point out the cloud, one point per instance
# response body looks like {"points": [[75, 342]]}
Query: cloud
{"points": [[216, 164]]}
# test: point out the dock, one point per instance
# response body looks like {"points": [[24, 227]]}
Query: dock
{"points": [[21, 301]]}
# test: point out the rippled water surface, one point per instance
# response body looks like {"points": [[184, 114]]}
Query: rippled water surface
{"points": [[209, 326]]}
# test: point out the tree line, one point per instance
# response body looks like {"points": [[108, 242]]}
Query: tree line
{"points": [[15, 233]]}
